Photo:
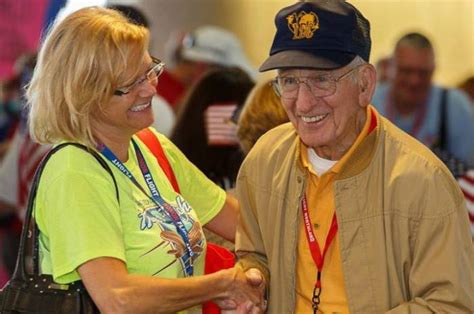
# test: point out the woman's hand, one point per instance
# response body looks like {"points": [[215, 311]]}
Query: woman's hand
{"points": [[115, 291]]}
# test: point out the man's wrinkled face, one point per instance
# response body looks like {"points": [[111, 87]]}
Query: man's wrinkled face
{"points": [[413, 71], [324, 123]]}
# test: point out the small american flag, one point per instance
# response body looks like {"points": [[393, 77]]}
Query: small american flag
{"points": [[466, 182], [221, 130]]}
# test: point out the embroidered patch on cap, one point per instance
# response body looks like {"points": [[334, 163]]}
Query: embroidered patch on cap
{"points": [[302, 24]]}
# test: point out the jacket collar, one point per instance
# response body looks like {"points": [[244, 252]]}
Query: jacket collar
{"points": [[363, 153]]}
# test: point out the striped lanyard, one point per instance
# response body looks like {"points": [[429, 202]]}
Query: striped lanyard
{"points": [[155, 197], [318, 257]]}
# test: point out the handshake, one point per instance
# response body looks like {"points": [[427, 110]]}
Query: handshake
{"points": [[245, 294]]}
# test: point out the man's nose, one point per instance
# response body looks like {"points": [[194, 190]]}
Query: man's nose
{"points": [[415, 78], [305, 98]]}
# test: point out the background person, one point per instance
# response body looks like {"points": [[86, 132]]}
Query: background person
{"points": [[16, 173], [93, 85], [383, 66], [414, 103], [341, 211], [206, 48], [204, 131], [261, 112]]}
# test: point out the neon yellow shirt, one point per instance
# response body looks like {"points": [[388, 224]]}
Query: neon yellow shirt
{"points": [[80, 218]]}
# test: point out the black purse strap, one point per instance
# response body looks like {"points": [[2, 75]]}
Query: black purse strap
{"points": [[443, 121], [29, 235]]}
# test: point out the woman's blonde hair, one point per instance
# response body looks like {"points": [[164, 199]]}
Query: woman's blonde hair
{"points": [[262, 111], [82, 61]]}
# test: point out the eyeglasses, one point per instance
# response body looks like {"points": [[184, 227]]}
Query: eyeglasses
{"points": [[322, 85], [151, 76]]}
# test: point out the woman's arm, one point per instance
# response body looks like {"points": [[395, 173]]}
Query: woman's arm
{"points": [[115, 291], [225, 222]]}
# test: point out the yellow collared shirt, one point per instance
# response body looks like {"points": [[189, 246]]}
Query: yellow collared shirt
{"points": [[320, 198]]}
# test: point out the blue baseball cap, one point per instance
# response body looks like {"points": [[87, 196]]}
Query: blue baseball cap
{"points": [[318, 34]]}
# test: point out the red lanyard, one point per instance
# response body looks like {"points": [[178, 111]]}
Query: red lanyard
{"points": [[318, 258], [419, 116]]}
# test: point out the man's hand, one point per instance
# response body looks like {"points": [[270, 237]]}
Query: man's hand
{"points": [[246, 293], [256, 280]]}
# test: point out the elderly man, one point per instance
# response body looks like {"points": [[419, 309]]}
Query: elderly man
{"points": [[341, 211]]}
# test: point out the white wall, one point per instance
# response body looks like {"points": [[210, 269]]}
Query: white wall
{"points": [[449, 23]]}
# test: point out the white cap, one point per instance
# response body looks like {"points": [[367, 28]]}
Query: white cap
{"points": [[216, 45]]}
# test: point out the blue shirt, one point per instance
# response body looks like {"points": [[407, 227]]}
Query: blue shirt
{"points": [[460, 123]]}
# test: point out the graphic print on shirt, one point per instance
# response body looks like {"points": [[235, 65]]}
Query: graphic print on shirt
{"points": [[158, 215]]}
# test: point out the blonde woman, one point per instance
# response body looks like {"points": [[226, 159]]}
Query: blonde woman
{"points": [[93, 85]]}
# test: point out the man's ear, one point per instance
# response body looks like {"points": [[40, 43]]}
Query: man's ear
{"points": [[367, 79]]}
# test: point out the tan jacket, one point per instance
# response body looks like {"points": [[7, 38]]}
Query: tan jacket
{"points": [[404, 235]]}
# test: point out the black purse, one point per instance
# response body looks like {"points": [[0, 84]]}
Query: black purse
{"points": [[28, 291]]}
